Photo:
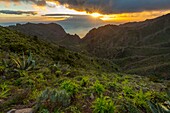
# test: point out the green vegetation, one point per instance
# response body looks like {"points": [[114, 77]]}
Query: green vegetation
{"points": [[52, 79], [24, 64], [159, 108], [70, 87], [4, 88], [52, 100], [103, 105], [98, 88]]}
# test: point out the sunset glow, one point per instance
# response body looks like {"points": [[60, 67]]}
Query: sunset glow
{"points": [[129, 17], [67, 13], [95, 15]]}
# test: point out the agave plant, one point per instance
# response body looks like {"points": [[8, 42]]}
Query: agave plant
{"points": [[159, 107], [23, 63]]}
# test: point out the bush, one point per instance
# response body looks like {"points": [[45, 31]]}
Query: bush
{"points": [[99, 88], [103, 105], [70, 87], [52, 100], [141, 98]]}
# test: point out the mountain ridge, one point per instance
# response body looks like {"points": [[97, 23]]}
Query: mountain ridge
{"points": [[50, 32], [135, 41]]}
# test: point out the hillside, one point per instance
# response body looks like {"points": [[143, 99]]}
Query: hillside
{"points": [[146, 45], [15, 42], [136, 47], [49, 32], [43, 77]]}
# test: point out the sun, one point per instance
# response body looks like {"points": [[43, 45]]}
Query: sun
{"points": [[95, 15]]}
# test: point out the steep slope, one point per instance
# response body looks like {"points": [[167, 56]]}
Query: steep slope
{"points": [[131, 34], [51, 32], [15, 42], [138, 41]]}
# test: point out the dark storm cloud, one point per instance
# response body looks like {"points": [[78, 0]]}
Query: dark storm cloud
{"points": [[17, 12], [106, 6], [117, 6], [37, 2]]}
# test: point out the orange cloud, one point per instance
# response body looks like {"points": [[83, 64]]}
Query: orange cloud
{"points": [[24, 18], [130, 17]]}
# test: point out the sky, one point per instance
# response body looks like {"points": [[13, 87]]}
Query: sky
{"points": [[80, 16]]}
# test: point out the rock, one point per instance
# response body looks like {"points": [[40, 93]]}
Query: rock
{"points": [[1, 101], [92, 96], [26, 110], [84, 106], [12, 111]]}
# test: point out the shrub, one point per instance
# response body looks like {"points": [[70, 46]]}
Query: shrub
{"points": [[128, 91], [70, 87], [141, 98], [103, 105], [52, 100], [99, 88]]}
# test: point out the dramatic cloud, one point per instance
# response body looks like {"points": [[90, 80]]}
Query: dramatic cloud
{"points": [[37, 2], [55, 15], [17, 12], [117, 6], [104, 6]]}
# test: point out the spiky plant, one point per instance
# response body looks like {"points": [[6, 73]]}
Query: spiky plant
{"points": [[23, 63], [4, 90], [159, 107]]}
